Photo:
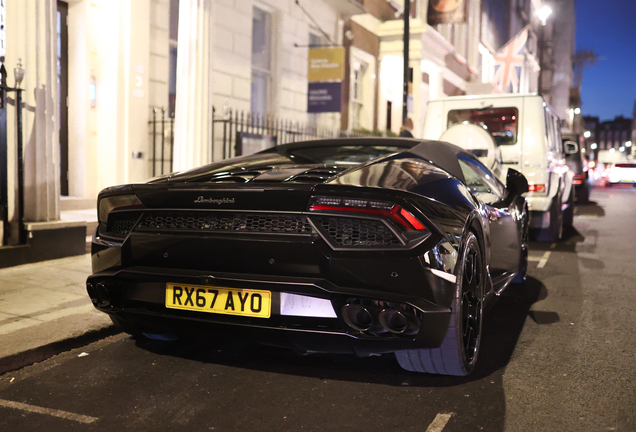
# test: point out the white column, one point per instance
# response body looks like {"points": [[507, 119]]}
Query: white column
{"points": [[193, 114], [32, 37]]}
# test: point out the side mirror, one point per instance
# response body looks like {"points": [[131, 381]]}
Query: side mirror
{"points": [[571, 147], [516, 182]]}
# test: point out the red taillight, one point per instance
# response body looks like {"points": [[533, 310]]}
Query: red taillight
{"points": [[411, 219], [536, 188], [397, 214]]}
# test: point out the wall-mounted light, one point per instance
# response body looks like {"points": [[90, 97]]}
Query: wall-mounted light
{"points": [[587, 134], [593, 146], [577, 111], [628, 144]]}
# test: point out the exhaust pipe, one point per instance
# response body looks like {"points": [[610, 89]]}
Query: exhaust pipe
{"points": [[357, 317], [103, 296], [92, 292], [398, 322]]}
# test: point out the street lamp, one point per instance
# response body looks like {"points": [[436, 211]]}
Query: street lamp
{"points": [[543, 13], [628, 144], [587, 134], [593, 146]]}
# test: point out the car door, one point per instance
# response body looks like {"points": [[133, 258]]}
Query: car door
{"points": [[504, 234]]}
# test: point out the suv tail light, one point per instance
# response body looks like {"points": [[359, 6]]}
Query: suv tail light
{"points": [[537, 188], [579, 178]]}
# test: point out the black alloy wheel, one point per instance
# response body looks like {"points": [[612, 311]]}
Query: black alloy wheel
{"points": [[472, 303], [458, 353]]}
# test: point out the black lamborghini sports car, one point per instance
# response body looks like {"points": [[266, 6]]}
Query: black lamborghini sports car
{"points": [[360, 246]]}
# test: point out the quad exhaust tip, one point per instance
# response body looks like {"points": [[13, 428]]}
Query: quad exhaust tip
{"points": [[357, 317], [92, 292], [99, 294], [394, 321], [390, 320]]}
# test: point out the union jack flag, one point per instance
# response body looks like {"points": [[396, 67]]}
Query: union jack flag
{"points": [[509, 60]]}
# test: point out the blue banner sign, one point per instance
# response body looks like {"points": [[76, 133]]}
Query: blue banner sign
{"points": [[324, 97]]}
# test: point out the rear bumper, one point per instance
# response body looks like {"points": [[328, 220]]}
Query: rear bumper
{"points": [[137, 296]]}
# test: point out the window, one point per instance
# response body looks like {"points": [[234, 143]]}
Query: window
{"points": [[500, 122], [496, 22], [172, 78], [315, 40], [349, 154], [480, 181], [261, 60], [358, 72]]}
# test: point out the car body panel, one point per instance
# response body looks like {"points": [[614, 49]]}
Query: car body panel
{"points": [[257, 223]]}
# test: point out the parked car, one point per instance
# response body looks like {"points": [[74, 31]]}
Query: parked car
{"points": [[577, 163], [620, 173], [527, 132], [347, 245]]}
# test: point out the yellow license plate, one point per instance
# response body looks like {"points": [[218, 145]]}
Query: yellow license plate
{"points": [[218, 300]]}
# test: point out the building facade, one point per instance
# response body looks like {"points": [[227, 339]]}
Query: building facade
{"points": [[100, 73]]}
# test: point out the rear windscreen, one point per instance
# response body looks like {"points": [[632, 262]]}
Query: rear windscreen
{"points": [[500, 122], [625, 165]]}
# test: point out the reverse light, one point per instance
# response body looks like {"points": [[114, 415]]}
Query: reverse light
{"points": [[397, 214]]}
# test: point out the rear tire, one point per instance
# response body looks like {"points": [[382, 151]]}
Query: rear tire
{"points": [[522, 272], [458, 353], [568, 214], [554, 232], [583, 194]]}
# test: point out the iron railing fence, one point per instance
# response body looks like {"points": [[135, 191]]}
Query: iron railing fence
{"points": [[162, 130], [236, 132]]}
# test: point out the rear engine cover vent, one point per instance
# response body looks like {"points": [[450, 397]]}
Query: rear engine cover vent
{"points": [[314, 175], [238, 176]]}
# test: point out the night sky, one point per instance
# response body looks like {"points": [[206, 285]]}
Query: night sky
{"points": [[608, 27]]}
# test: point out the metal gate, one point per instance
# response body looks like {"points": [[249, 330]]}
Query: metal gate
{"points": [[4, 162]]}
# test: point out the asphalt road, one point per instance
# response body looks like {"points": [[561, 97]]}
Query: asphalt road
{"points": [[558, 355]]}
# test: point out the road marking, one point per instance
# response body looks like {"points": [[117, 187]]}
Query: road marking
{"points": [[439, 422], [544, 260], [48, 411], [534, 258]]}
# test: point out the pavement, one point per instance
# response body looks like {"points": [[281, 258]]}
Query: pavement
{"points": [[45, 310]]}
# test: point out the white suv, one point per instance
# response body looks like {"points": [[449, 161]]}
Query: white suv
{"points": [[527, 133]]}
